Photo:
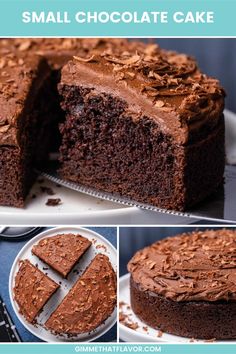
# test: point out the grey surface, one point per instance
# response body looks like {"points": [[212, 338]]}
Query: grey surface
{"points": [[8, 252], [216, 57]]}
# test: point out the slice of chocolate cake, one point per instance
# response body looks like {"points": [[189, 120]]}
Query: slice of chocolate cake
{"points": [[186, 285], [89, 303], [32, 290], [25, 122], [143, 123], [30, 109], [61, 252]]}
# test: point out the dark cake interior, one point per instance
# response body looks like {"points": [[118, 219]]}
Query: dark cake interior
{"points": [[25, 125], [148, 126], [30, 70], [135, 120]]}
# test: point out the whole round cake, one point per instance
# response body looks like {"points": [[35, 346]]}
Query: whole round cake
{"points": [[186, 285]]}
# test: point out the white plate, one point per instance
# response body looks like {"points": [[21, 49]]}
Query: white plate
{"points": [[103, 246], [78, 208], [149, 334]]}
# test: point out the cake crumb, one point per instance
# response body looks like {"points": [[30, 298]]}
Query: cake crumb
{"points": [[159, 334], [131, 325], [192, 340], [122, 303], [145, 328], [125, 318], [122, 317], [101, 247], [53, 201]]}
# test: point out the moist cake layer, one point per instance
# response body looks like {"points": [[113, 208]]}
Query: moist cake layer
{"points": [[120, 98], [25, 123], [192, 319], [165, 86], [155, 108]]}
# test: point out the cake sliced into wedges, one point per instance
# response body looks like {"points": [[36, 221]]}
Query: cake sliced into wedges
{"points": [[32, 290], [186, 285], [143, 123], [89, 303], [62, 251]]}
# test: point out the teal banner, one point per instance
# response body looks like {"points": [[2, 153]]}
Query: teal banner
{"points": [[132, 18], [208, 348]]}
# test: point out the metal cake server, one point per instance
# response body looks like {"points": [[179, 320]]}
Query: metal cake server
{"points": [[220, 207]]}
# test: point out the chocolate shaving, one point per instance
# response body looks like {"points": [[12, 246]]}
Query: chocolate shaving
{"points": [[53, 202], [128, 61], [86, 60], [193, 266]]}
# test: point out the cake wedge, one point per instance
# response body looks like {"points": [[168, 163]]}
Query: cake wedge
{"points": [[32, 290], [62, 251], [89, 303], [143, 123]]}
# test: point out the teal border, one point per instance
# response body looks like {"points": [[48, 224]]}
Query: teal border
{"points": [[11, 18], [208, 348]]}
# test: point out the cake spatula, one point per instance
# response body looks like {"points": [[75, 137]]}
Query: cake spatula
{"points": [[220, 207]]}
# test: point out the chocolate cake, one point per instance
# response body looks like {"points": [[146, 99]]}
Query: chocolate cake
{"points": [[30, 109], [32, 290], [25, 123], [186, 285], [90, 301], [61, 252], [58, 51], [151, 106]]}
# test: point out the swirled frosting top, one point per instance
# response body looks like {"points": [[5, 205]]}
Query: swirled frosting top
{"points": [[163, 85], [197, 266]]}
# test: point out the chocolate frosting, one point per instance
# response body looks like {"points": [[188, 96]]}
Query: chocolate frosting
{"points": [[32, 289], [163, 85], [62, 251], [23, 70], [90, 301], [20, 79], [59, 50], [197, 266]]}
